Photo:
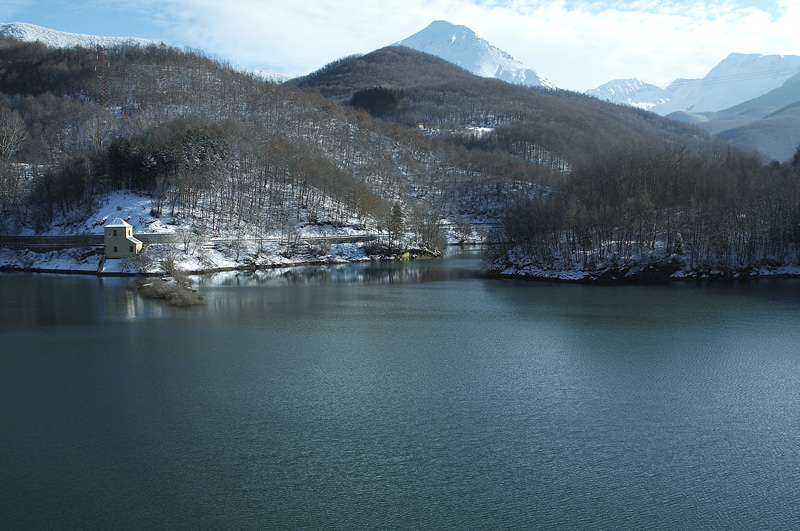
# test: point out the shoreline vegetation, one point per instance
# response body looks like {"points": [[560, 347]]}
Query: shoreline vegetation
{"points": [[163, 261], [652, 273], [652, 213], [170, 279]]}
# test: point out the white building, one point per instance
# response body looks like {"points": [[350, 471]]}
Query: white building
{"points": [[119, 240]]}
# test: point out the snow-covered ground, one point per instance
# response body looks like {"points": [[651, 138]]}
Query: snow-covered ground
{"points": [[271, 254], [222, 251], [131, 207], [534, 272], [188, 255]]}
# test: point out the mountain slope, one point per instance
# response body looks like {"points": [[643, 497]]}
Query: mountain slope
{"points": [[737, 79], [776, 135], [394, 66], [439, 96], [461, 46], [25, 32], [786, 94]]}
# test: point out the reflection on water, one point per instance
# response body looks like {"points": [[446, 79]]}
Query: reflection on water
{"points": [[357, 273], [352, 273], [303, 290], [128, 306], [30, 301]]}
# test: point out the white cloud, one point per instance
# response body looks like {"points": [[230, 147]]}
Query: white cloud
{"points": [[583, 44], [296, 37]]}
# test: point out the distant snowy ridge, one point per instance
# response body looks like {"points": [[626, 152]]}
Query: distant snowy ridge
{"points": [[461, 46], [633, 92], [22, 31], [272, 76], [736, 79]]}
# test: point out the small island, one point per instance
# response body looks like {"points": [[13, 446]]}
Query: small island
{"points": [[175, 287]]}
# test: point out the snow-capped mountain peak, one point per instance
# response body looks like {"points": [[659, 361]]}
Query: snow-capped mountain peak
{"points": [[22, 31], [461, 46]]}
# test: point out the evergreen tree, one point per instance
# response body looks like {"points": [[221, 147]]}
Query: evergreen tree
{"points": [[396, 224], [377, 101]]}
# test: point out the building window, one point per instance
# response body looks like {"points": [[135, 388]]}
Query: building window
{"points": [[115, 248], [115, 232], [131, 248]]}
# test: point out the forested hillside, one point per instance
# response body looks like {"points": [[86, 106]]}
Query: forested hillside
{"points": [[223, 149], [541, 126], [396, 142], [629, 191]]}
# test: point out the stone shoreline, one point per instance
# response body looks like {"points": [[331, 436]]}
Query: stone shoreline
{"points": [[649, 274]]}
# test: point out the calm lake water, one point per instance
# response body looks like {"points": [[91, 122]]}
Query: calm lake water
{"points": [[399, 396]]}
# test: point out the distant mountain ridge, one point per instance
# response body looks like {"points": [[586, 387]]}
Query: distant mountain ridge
{"points": [[22, 31], [633, 92], [769, 123], [735, 80], [750, 100], [461, 46], [272, 76]]}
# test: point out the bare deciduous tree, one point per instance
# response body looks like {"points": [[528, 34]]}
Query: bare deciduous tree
{"points": [[12, 133]]}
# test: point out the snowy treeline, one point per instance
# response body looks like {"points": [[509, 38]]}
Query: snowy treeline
{"points": [[723, 211]]}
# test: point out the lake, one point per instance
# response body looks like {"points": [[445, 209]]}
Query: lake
{"points": [[399, 396]]}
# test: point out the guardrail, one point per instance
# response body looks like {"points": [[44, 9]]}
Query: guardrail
{"points": [[51, 243]]}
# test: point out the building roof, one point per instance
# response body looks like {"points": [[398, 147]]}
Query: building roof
{"points": [[119, 222]]}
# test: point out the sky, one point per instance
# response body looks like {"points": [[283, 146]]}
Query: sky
{"points": [[577, 44]]}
